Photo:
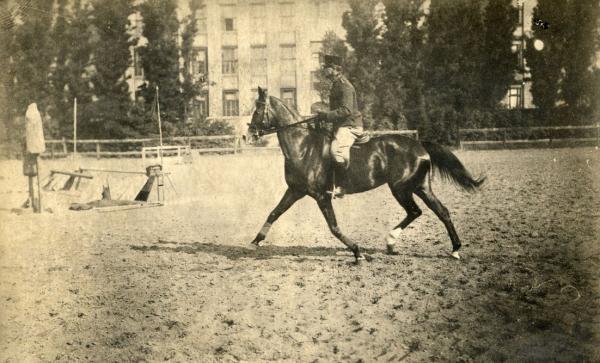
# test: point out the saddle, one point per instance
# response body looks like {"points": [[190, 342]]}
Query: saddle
{"points": [[361, 140]]}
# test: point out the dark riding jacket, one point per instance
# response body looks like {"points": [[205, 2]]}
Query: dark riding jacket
{"points": [[343, 105]]}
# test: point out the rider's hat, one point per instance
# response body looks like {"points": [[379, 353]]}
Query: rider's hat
{"points": [[331, 60]]}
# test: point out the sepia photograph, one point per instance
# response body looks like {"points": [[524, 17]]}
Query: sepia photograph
{"points": [[299, 181]]}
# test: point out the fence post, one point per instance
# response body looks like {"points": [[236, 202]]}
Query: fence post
{"points": [[235, 144], [97, 150], [64, 145], [504, 137], [597, 134]]}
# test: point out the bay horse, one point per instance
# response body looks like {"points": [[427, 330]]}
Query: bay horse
{"points": [[405, 164]]}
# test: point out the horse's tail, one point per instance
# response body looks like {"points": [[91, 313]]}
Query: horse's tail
{"points": [[450, 167]]}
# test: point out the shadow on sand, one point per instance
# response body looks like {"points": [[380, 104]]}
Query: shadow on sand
{"points": [[272, 251], [263, 252]]}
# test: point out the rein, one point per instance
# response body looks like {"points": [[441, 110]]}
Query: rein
{"points": [[275, 129]]}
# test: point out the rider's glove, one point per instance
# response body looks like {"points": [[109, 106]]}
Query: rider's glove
{"points": [[322, 115]]}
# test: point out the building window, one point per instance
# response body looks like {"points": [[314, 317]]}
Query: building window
{"points": [[287, 14], [323, 9], [258, 71], [228, 13], [517, 48], [288, 52], [137, 63], [314, 80], [229, 25], [200, 107], [288, 60], [515, 97], [257, 17], [201, 22], [231, 103], [230, 62], [198, 63], [288, 96], [315, 54]]}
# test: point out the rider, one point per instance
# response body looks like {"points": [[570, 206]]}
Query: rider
{"points": [[345, 116]]}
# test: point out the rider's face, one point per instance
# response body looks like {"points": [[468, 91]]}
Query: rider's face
{"points": [[330, 72]]}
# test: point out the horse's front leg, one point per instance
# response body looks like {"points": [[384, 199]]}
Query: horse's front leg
{"points": [[324, 203], [289, 198]]}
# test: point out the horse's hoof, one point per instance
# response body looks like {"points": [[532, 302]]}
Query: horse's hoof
{"points": [[358, 260], [390, 250], [455, 255], [257, 243]]}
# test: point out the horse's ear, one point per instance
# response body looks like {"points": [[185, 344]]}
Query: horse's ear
{"points": [[262, 93]]}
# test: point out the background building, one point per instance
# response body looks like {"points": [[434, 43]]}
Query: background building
{"points": [[519, 93], [242, 44]]}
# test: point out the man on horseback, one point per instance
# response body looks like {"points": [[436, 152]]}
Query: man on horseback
{"points": [[345, 117]]}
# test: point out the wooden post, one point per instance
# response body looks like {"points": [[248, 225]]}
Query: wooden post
{"points": [[74, 128], [97, 150], [64, 145], [597, 134], [236, 139], [504, 137]]}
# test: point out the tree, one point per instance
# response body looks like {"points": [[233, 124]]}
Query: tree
{"points": [[362, 64], [160, 60], [580, 51], [72, 66], [26, 57], [547, 65], [499, 61], [191, 87], [400, 101], [111, 58], [454, 66]]}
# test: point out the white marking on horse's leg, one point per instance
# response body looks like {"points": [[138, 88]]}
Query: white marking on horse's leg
{"points": [[394, 236], [456, 255], [265, 228]]}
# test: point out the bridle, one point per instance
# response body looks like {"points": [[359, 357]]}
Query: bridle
{"points": [[264, 130]]}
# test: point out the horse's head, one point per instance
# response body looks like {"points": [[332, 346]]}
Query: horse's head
{"points": [[263, 119]]}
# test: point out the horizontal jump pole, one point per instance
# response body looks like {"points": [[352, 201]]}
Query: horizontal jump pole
{"points": [[113, 171], [86, 176], [393, 132]]}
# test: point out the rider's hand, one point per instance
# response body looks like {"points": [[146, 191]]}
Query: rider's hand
{"points": [[322, 115]]}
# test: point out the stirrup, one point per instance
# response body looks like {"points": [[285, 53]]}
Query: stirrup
{"points": [[337, 192]]}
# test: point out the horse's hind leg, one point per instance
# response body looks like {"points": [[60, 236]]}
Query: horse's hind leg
{"points": [[438, 208], [289, 198], [327, 210], [405, 198]]}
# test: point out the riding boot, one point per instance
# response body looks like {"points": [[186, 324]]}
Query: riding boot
{"points": [[339, 178]]}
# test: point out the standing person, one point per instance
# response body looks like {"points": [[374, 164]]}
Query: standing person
{"points": [[345, 116]]}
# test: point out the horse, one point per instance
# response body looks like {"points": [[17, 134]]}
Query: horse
{"points": [[404, 163]]}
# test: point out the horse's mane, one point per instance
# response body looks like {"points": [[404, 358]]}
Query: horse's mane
{"points": [[293, 111], [321, 135]]}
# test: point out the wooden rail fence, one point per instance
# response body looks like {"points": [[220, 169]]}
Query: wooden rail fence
{"points": [[65, 146], [504, 135]]}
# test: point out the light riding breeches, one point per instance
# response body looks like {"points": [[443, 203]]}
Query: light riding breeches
{"points": [[343, 141]]}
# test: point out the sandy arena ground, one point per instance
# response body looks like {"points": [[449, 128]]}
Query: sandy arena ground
{"points": [[181, 282]]}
